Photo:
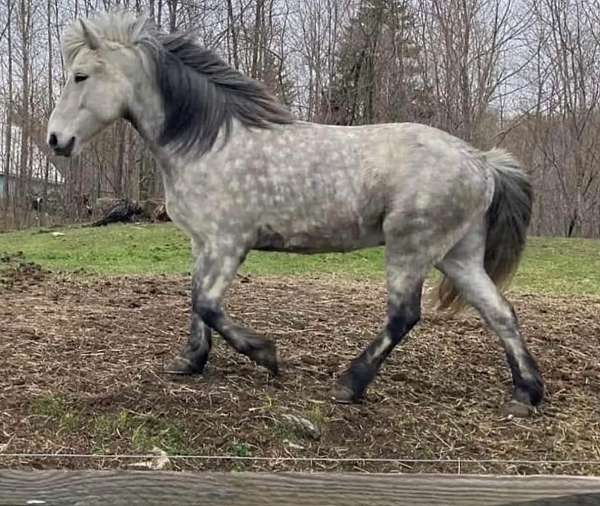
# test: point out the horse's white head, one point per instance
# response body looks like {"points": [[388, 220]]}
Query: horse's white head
{"points": [[176, 92], [96, 93]]}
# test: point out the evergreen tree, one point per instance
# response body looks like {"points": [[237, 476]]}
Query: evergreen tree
{"points": [[377, 75]]}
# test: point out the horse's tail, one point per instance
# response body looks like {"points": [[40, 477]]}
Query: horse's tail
{"points": [[508, 219]]}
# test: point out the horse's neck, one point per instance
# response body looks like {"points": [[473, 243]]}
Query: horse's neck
{"points": [[146, 112], [224, 149]]}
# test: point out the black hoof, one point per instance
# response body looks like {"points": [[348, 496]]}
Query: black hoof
{"points": [[182, 366], [352, 385], [266, 356], [345, 395], [517, 409], [530, 393]]}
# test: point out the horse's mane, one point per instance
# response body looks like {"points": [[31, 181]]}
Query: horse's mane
{"points": [[201, 93]]}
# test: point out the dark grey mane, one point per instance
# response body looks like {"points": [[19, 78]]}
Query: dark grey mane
{"points": [[202, 95]]}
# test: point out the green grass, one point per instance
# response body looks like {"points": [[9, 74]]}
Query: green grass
{"points": [[55, 410], [560, 266], [144, 431], [119, 249], [240, 449]]}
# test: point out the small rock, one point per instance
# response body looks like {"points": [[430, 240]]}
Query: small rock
{"points": [[295, 446], [155, 464], [303, 426]]}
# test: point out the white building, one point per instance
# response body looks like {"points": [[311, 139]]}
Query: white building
{"points": [[38, 163]]}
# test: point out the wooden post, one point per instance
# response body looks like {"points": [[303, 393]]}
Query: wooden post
{"points": [[114, 488]]}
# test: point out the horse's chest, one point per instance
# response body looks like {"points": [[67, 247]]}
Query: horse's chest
{"points": [[184, 212]]}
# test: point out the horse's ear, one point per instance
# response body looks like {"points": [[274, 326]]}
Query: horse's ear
{"points": [[92, 39]]}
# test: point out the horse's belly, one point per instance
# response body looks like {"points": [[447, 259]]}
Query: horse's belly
{"points": [[317, 240]]}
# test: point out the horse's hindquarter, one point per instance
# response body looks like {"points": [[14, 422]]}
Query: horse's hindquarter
{"points": [[438, 186]]}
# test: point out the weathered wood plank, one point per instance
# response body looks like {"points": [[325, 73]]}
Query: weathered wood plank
{"points": [[89, 488]]}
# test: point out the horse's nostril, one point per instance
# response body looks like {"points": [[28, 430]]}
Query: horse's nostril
{"points": [[52, 141]]}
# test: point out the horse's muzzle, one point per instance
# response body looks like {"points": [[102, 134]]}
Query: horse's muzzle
{"points": [[58, 149]]}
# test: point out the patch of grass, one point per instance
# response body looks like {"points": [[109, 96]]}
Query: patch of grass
{"points": [[363, 264], [316, 416], [243, 450], [144, 431], [57, 411], [117, 249], [240, 449], [551, 265], [285, 431]]}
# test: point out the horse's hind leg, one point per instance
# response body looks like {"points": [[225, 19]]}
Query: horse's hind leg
{"points": [[214, 270], [405, 274], [464, 267]]}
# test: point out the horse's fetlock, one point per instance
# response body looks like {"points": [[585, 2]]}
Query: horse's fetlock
{"points": [[187, 364], [264, 354], [353, 382], [530, 391]]}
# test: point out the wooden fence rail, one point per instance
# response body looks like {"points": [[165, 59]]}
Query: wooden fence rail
{"points": [[104, 488]]}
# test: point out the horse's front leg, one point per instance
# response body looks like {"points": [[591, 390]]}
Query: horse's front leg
{"points": [[194, 355], [216, 265]]}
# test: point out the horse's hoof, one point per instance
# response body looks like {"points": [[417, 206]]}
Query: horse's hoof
{"points": [[517, 409], [182, 366], [266, 356], [343, 394]]}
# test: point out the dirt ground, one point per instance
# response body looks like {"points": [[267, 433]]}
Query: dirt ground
{"points": [[82, 374]]}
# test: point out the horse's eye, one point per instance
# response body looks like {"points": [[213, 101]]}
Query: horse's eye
{"points": [[79, 78]]}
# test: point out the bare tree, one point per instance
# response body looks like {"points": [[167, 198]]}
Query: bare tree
{"points": [[517, 72], [468, 57], [9, 116], [567, 117]]}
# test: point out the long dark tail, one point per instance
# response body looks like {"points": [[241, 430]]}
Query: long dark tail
{"points": [[508, 219]]}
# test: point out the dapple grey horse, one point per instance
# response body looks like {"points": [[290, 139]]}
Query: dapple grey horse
{"points": [[241, 174]]}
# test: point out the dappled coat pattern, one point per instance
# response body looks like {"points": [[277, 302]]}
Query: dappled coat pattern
{"points": [[241, 174]]}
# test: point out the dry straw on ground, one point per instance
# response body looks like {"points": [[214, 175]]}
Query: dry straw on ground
{"points": [[82, 361]]}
